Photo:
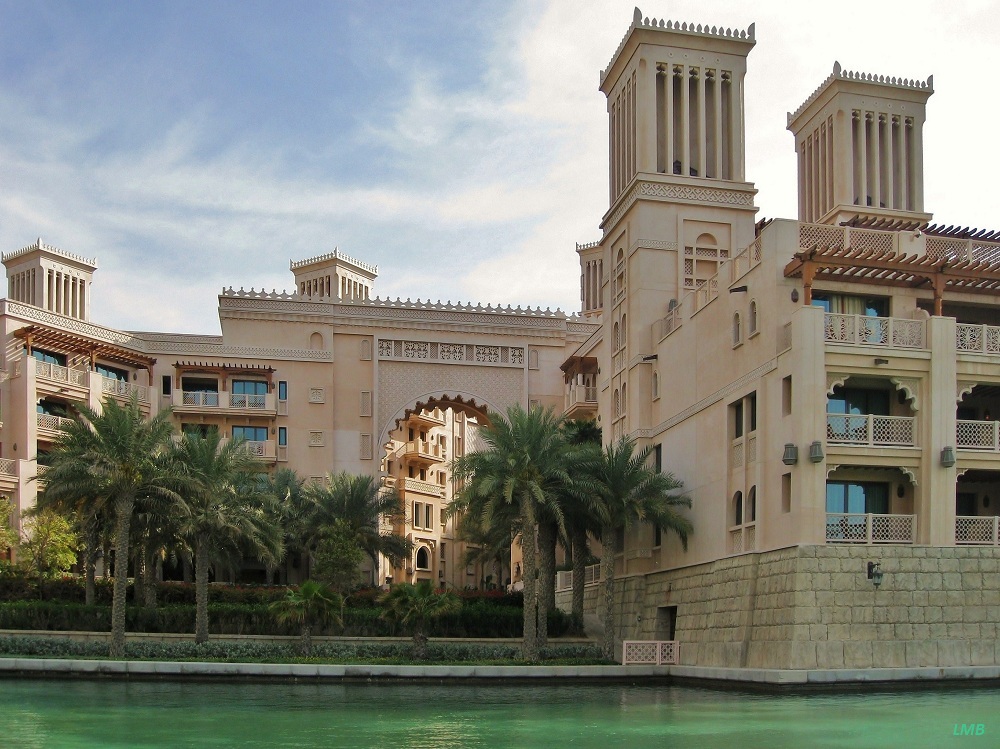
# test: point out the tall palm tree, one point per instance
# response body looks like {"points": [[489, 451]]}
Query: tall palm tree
{"points": [[630, 491], [118, 455], [310, 605], [415, 606], [522, 465], [584, 436], [223, 512], [357, 502]]}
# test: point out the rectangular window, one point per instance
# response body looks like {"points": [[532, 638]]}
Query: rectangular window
{"points": [[250, 434], [201, 430], [856, 401], [282, 436], [786, 492], [857, 497], [428, 515], [166, 384], [249, 387], [657, 536], [416, 514], [752, 412], [282, 390], [112, 373], [49, 357], [786, 395], [658, 458], [444, 521], [737, 419]]}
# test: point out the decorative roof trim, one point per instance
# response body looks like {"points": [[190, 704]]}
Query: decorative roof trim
{"points": [[40, 245]]}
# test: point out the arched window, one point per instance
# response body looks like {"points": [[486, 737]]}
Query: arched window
{"points": [[624, 400], [616, 405], [316, 341], [752, 321], [615, 337], [366, 349], [752, 505], [423, 558], [738, 508], [737, 330], [624, 338], [656, 385]]}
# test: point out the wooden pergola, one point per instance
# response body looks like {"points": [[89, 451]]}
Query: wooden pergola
{"points": [[222, 370], [887, 268], [577, 365], [37, 336]]}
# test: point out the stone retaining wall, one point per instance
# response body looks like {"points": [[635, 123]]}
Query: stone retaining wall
{"points": [[813, 607]]}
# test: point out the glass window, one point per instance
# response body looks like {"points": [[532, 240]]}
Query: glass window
{"points": [[166, 384], [49, 357], [846, 304], [283, 436], [423, 559], [112, 373], [249, 387], [858, 402], [737, 419], [857, 497], [282, 390], [250, 434], [752, 411]]}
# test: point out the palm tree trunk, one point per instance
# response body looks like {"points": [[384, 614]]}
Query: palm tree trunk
{"points": [[201, 591], [306, 644], [140, 574], [92, 543], [123, 522], [419, 645], [149, 576], [528, 528], [579, 545], [608, 573], [547, 533]]}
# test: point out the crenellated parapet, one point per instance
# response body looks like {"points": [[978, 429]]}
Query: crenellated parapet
{"points": [[335, 255], [853, 75], [40, 245]]}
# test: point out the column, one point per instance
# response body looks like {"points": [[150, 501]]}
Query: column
{"points": [[873, 163], [917, 151], [702, 132], [904, 165], [720, 166], [685, 121], [890, 165]]}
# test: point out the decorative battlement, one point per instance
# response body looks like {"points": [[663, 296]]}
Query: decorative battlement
{"points": [[40, 245], [718, 32], [586, 246], [335, 255], [400, 303], [854, 75]]}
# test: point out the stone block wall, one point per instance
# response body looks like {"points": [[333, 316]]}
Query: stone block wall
{"points": [[814, 607]]}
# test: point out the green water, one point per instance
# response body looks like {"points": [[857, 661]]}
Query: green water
{"points": [[53, 714]]}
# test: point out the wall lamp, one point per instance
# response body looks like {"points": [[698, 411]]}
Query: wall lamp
{"points": [[879, 362], [816, 452], [875, 573], [737, 289], [791, 454], [947, 456]]}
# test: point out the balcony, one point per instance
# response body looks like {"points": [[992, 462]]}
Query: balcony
{"points": [[591, 575], [123, 390], [421, 450], [869, 430], [434, 418], [420, 487], [977, 531], [883, 332], [977, 339], [867, 528], [581, 401], [978, 435], [62, 375], [51, 426], [186, 401], [261, 449]]}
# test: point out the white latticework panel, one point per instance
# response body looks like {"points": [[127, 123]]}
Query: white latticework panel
{"points": [[892, 430], [736, 459], [639, 652], [976, 530], [669, 653], [977, 435], [892, 528], [811, 235], [846, 528], [736, 541], [840, 328], [866, 239], [942, 247]]}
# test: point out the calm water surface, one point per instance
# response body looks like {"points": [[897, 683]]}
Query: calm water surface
{"points": [[52, 714]]}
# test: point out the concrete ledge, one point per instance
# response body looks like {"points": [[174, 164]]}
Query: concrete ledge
{"points": [[821, 676]]}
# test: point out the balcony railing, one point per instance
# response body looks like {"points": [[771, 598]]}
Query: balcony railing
{"points": [[421, 487], [861, 330], [52, 423], [431, 450], [581, 395], [60, 373], [870, 430], [263, 449], [205, 398], [977, 339], [978, 435], [8, 467], [212, 399], [743, 538], [650, 652], [977, 531], [123, 389], [867, 528]]}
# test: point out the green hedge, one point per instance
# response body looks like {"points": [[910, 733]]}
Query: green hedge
{"points": [[476, 619], [242, 652]]}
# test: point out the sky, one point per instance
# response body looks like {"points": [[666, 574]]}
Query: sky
{"points": [[459, 145]]}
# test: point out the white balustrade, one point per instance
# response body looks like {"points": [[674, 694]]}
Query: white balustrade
{"points": [[743, 538], [246, 400], [8, 467], [206, 398], [60, 374], [651, 652], [977, 530], [863, 330], [868, 528], [124, 389], [978, 435], [421, 487], [52, 423], [977, 339], [591, 575], [870, 430]]}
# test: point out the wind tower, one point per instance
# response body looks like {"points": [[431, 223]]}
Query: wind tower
{"points": [[859, 141]]}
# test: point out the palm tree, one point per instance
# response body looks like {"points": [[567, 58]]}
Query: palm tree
{"points": [[118, 455], [223, 511], [579, 508], [414, 606], [630, 491], [359, 504], [523, 466], [310, 605]]}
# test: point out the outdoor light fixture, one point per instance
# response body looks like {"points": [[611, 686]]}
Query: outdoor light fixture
{"points": [[881, 361], [816, 452], [651, 357], [947, 456], [875, 573], [791, 454]]}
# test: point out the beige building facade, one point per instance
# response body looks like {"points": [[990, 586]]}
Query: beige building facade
{"points": [[825, 387]]}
